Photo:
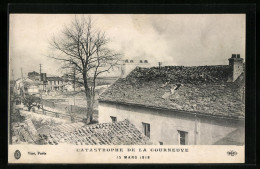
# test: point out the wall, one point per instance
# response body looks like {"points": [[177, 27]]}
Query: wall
{"points": [[33, 90], [126, 68], [164, 125]]}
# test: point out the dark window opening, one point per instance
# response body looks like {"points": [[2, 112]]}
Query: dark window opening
{"points": [[146, 129], [145, 61], [141, 61], [183, 138], [177, 86], [161, 143], [113, 119], [131, 61]]}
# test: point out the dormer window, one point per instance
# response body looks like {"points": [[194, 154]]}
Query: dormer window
{"points": [[114, 119], [145, 61], [131, 61], [126, 61], [177, 86], [141, 61]]}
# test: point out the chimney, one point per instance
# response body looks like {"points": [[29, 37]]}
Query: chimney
{"points": [[160, 64], [236, 64], [128, 66]]}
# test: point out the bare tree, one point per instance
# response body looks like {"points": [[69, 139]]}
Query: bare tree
{"points": [[84, 49]]}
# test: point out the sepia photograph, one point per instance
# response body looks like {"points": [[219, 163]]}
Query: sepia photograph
{"points": [[129, 87]]}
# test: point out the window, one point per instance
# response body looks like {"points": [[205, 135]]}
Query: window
{"points": [[183, 137], [161, 143], [113, 119], [146, 129]]}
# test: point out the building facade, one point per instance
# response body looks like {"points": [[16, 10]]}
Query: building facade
{"points": [[172, 127], [55, 83]]}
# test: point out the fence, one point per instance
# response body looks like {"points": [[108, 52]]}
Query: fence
{"points": [[60, 115], [64, 107]]}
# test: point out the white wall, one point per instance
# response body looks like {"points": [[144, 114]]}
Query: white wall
{"points": [[33, 90], [164, 126], [126, 68]]}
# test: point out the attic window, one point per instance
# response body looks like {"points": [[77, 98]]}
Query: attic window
{"points": [[141, 61], [126, 61], [131, 61], [145, 61], [114, 119]]}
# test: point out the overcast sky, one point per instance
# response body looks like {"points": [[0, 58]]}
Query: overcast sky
{"points": [[171, 39]]}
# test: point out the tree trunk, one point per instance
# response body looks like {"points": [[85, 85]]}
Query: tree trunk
{"points": [[89, 109]]}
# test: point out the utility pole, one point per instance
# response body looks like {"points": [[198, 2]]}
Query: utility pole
{"points": [[22, 73], [74, 78], [160, 64], [40, 69], [22, 82], [13, 75]]}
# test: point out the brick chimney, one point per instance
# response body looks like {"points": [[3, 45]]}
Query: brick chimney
{"points": [[236, 64]]}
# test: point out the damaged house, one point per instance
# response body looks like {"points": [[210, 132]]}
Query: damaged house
{"points": [[178, 105]]}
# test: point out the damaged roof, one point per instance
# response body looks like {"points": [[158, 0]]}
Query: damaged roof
{"points": [[201, 89], [117, 133]]}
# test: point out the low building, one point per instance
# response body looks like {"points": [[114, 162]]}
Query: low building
{"points": [[55, 83], [177, 105], [26, 86]]}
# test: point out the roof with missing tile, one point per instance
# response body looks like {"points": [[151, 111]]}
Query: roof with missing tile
{"points": [[117, 133], [201, 89]]}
